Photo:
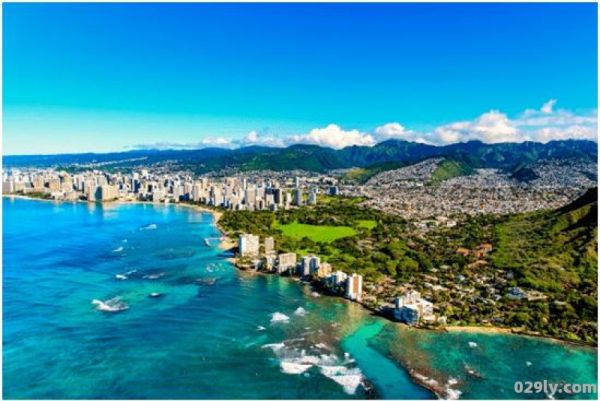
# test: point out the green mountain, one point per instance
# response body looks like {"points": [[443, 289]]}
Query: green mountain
{"points": [[555, 252], [452, 167], [392, 153]]}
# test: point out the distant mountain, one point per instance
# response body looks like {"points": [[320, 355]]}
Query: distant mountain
{"points": [[469, 155]]}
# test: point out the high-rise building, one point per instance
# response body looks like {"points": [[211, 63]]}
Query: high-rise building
{"points": [[354, 287], [248, 245], [312, 198], [298, 197], [339, 278], [286, 261], [309, 265], [324, 270], [269, 245], [288, 200], [107, 193], [410, 308], [250, 196], [277, 198]]}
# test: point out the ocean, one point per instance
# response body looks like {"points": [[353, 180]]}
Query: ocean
{"points": [[128, 301]]}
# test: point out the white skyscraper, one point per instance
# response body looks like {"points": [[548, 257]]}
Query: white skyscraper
{"points": [[354, 287], [248, 245]]}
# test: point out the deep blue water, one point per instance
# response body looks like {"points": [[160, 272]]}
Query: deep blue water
{"points": [[211, 333]]}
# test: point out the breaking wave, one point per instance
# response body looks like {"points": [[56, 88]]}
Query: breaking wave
{"points": [[295, 361], [300, 311], [151, 226], [112, 305], [279, 318]]}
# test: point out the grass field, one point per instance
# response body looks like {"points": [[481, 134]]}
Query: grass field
{"points": [[315, 233], [368, 224]]}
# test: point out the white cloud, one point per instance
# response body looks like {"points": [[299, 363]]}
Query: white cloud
{"points": [[542, 125], [490, 127], [548, 106], [204, 143], [334, 136], [397, 131], [212, 141], [261, 139]]}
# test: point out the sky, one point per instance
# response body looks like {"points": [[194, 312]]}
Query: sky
{"points": [[113, 77]]}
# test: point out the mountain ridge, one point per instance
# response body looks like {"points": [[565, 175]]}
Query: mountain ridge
{"points": [[506, 156]]}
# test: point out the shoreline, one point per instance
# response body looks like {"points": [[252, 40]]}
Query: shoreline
{"points": [[227, 243]]}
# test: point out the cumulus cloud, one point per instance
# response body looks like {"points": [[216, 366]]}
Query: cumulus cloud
{"points": [[543, 124], [261, 139], [397, 131], [334, 136], [490, 127], [540, 125]]}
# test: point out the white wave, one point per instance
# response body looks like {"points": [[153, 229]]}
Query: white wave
{"points": [[155, 294], [350, 380], [329, 360], [293, 368], [472, 344], [275, 346], [451, 393], [153, 276], [124, 276], [279, 317], [111, 305], [117, 250], [149, 227], [528, 363], [124, 240], [300, 311], [260, 328], [330, 371]]}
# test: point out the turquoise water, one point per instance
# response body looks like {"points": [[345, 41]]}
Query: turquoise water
{"points": [[209, 335], [486, 366], [389, 378], [213, 332]]}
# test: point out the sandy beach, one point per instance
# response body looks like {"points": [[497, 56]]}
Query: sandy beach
{"points": [[482, 329]]}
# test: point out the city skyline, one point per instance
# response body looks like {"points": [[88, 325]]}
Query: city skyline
{"points": [[196, 75]]}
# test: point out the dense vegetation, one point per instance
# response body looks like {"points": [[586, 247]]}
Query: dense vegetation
{"points": [[555, 252], [450, 168], [362, 174], [551, 255]]}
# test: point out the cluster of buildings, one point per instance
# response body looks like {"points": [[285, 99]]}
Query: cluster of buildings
{"points": [[411, 309], [406, 192], [234, 193], [308, 267]]}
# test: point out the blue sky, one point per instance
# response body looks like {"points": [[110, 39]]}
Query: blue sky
{"points": [[104, 77]]}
